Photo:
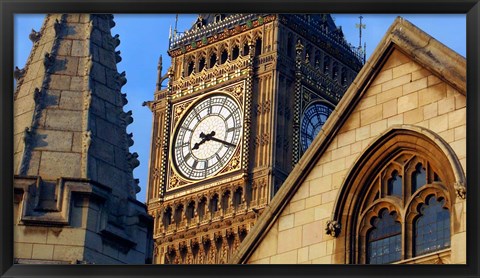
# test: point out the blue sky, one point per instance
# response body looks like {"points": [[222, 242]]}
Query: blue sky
{"points": [[145, 37]]}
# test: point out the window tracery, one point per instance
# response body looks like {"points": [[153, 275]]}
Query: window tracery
{"points": [[405, 213]]}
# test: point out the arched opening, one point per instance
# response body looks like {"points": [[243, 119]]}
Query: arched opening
{"points": [[201, 64], [235, 52], [246, 49], [258, 47], [360, 206], [190, 68], [224, 57], [213, 60]]}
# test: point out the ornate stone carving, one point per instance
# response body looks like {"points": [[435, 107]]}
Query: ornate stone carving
{"points": [[333, 228], [115, 41], [118, 58], [37, 95], [130, 139], [87, 100], [58, 28], [87, 141], [124, 99], [34, 36], [127, 117], [48, 61], [461, 190], [27, 135], [18, 73], [132, 159], [121, 78]]}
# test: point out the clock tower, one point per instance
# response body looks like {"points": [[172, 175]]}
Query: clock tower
{"points": [[246, 94]]}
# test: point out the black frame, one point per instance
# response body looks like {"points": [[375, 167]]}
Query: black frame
{"points": [[8, 7]]}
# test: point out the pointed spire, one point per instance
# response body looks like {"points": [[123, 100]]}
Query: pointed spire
{"points": [[159, 74]]}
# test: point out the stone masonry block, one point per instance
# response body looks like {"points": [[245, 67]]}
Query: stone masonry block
{"points": [[34, 164], [103, 150], [107, 58], [302, 193], [334, 166], [413, 116], [432, 94], [30, 234], [390, 94], [105, 93], [64, 119], [295, 239], [390, 108], [352, 122], [460, 101], [399, 81], [419, 74], [312, 233], [302, 255], [457, 118], [439, 124], [460, 148], [396, 120], [59, 82], [366, 103], [80, 48], [407, 102], [341, 152], [97, 106], [60, 164], [68, 253], [77, 83], [73, 18], [414, 86], [430, 110], [371, 115], [269, 245], [22, 250], [108, 132], [21, 122], [346, 138], [53, 140], [65, 48], [405, 68], [75, 31], [66, 65], [285, 258], [382, 77], [320, 185], [433, 80], [71, 100], [66, 236], [313, 201], [446, 105], [361, 133], [304, 216], [396, 58], [23, 105], [324, 210], [98, 73], [286, 222], [111, 176], [317, 250], [42, 252], [460, 132], [77, 142]]}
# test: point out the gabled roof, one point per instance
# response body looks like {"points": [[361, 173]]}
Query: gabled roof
{"points": [[403, 36]]}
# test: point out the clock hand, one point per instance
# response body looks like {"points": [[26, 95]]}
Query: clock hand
{"points": [[205, 138], [223, 142]]}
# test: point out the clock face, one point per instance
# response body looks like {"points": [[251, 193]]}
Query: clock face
{"points": [[312, 122], [207, 137]]}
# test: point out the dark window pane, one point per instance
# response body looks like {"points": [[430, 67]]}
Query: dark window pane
{"points": [[432, 228], [395, 185], [384, 239], [419, 177]]}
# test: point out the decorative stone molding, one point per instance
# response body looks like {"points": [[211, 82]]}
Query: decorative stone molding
{"points": [[333, 228], [58, 28], [118, 58], [132, 159], [122, 80], [18, 73], [34, 36], [48, 61], [115, 41], [461, 190]]}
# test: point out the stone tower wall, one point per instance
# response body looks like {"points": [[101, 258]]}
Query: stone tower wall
{"points": [[75, 191]]}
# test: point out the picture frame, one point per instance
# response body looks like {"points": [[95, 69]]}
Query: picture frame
{"points": [[8, 8]]}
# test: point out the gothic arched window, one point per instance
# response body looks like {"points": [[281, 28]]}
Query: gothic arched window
{"points": [[400, 201], [392, 214]]}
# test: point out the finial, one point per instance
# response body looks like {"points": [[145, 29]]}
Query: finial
{"points": [[159, 73]]}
